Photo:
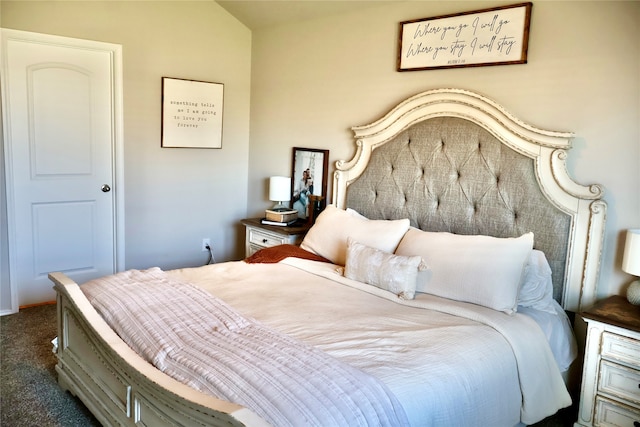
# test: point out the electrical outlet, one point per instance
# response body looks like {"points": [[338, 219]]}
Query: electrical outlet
{"points": [[205, 242]]}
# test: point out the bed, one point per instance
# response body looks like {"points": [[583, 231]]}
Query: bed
{"points": [[480, 241]]}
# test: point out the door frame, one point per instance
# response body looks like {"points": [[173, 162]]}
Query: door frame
{"points": [[117, 144]]}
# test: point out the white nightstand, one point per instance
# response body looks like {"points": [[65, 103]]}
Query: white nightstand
{"points": [[259, 236], [610, 393]]}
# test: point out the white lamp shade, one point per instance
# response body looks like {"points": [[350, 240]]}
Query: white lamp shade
{"points": [[631, 257], [280, 188]]}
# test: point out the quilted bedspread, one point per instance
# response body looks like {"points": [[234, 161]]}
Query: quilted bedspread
{"points": [[199, 340]]}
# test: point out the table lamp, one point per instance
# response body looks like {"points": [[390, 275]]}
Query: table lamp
{"points": [[631, 264], [279, 192]]}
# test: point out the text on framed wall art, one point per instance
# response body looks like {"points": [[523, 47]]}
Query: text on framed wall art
{"points": [[191, 113], [496, 36]]}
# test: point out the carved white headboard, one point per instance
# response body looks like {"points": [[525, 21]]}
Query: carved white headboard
{"points": [[453, 160]]}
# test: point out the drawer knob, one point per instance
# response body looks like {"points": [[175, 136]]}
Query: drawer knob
{"points": [[264, 240], [636, 424]]}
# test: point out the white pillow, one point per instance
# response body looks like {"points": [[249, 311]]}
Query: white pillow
{"points": [[393, 273], [536, 288], [328, 236], [355, 213], [482, 270]]}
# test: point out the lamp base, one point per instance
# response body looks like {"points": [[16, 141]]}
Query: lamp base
{"points": [[280, 207], [633, 293]]}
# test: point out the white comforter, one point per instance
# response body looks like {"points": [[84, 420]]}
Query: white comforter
{"points": [[449, 363], [199, 340]]}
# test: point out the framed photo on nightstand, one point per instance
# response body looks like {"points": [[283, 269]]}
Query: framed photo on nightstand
{"points": [[309, 180]]}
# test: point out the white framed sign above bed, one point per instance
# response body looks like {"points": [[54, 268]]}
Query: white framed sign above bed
{"points": [[496, 36]]}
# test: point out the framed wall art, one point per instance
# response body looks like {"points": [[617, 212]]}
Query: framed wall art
{"points": [[191, 113], [496, 36], [309, 180]]}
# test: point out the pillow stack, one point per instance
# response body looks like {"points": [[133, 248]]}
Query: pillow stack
{"points": [[365, 247], [498, 273]]}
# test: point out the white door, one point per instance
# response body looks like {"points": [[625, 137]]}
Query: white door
{"points": [[61, 103]]}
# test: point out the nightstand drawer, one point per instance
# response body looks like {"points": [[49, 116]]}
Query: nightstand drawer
{"points": [[610, 413], [252, 249], [262, 238], [625, 350], [619, 381], [259, 236]]}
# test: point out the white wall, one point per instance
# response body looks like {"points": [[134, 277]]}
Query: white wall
{"points": [[313, 80], [173, 197]]}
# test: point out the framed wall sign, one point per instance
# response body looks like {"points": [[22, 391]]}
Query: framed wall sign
{"points": [[496, 36], [191, 113], [309, 180]]}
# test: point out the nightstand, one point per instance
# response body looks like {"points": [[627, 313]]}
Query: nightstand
{"points": [[610, 393], [259, 236]]}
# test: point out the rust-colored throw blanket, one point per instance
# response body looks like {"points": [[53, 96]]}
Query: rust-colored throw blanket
{"points": [[278, 253]]}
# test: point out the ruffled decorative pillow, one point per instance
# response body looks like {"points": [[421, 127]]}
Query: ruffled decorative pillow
{"points": [[393, 273]]}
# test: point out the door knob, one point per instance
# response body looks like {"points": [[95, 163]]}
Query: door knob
{"points": [[105, 188]]}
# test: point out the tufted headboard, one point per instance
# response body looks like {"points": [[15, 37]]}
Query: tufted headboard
{"points": [[452, 160]]}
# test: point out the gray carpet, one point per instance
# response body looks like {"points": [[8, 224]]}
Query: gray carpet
{"points": [[29, 393]]}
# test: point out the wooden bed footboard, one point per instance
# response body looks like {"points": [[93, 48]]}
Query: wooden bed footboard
{"points": [[117, 385]]}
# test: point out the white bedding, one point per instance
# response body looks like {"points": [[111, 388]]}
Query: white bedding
{"points": [[197, 339], [444, 369]]}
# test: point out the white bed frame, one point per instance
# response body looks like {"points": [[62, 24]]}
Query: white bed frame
{"points": [[120, 388], [117, 385]]}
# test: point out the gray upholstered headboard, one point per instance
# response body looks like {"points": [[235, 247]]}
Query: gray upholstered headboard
{"points": [[450, 160]]}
